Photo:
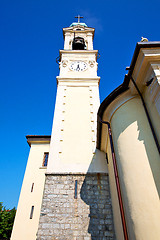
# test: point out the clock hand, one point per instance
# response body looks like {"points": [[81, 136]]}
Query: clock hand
{"points": [[78, 68]]}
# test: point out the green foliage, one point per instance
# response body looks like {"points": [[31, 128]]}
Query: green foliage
{"points": [[6, 222]]}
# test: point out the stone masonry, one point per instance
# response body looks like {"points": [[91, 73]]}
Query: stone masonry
{"points": [[76, 207]]}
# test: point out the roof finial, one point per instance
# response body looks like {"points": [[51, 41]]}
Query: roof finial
{"points": [[79, 17], [144, 39]]}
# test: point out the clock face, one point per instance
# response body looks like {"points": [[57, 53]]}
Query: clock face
{"points": [[78, 66]]}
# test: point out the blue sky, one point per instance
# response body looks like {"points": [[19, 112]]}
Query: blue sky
{"points": [[31, 36]]}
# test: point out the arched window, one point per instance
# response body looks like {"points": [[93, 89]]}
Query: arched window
{"points": [[78, 44]]}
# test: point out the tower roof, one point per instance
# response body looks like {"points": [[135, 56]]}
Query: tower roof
{"points": [[78, 23]]}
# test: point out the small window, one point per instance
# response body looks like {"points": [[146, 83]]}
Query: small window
{"points": [[32, 187], [45, 159], [31, 214]]}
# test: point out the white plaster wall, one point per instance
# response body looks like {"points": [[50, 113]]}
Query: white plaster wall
{"points": [[77, 145], [139, 167], [25, 228], [56, 136], [67, 40], [90, 41], [98, 163], [74, 129]]}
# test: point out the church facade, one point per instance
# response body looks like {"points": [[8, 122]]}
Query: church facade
{"points": [[97, 176]]}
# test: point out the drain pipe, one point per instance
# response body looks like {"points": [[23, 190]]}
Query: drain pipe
{"points": [[116, 179], [147, 114]]}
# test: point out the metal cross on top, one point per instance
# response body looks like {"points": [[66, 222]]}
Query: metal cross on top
{"points": [[79, 17]]}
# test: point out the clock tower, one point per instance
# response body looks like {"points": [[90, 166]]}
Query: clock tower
{"points": [[76, 199], [74, 126]]}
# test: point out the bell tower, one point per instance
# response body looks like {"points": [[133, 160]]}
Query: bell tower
{"points": [[74, 126], [76, 199]]}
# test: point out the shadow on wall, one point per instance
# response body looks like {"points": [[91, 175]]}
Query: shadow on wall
{"points": [[146, 136], [134, 117], [95, 193]]}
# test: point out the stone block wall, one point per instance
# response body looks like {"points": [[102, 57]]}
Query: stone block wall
{"points": [[76, 213]]}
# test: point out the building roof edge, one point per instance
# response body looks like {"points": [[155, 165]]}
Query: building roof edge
{"points": [[38, 139]]}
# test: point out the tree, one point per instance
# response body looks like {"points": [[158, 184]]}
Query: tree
{"points": [[6, 222]]}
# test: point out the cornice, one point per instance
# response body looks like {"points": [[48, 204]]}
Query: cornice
{"points": [[72, 30], [78, 51], [82, 80], [38, 139]]}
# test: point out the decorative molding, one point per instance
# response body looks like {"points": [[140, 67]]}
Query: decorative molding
{"points": [[91, 63], [75, 80], [64, 63], [117, 103]]}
